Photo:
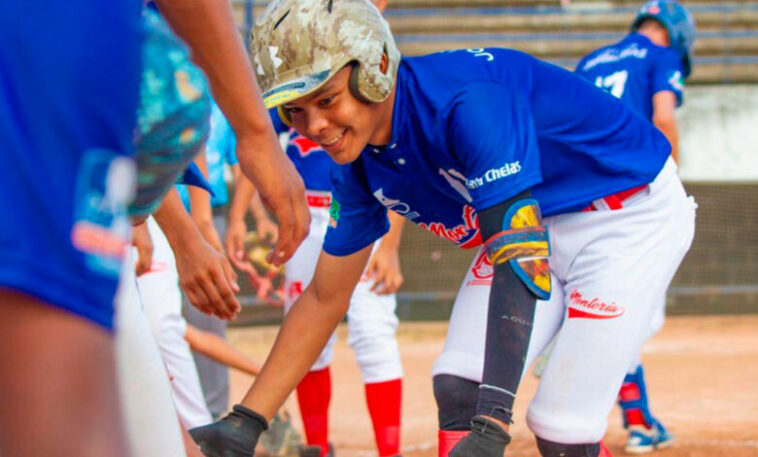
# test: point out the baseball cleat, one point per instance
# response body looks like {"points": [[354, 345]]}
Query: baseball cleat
{"points": [[643, 440]]}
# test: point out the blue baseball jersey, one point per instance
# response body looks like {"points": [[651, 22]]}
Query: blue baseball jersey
{"points": [[69, 84], [312, 162], [473, 128], [219, 151], [633, 70]]}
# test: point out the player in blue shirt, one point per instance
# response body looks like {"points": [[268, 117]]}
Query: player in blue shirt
{"points": [[488, 148], [68, 94], [646, 70]]}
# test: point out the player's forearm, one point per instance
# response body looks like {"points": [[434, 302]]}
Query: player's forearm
{"points": [[511, 302], [214, 347], [175, 222], [306, 329], [209, 28], [391, 239], [200, 199], [302, 337], [243, 195], [668, 128]]}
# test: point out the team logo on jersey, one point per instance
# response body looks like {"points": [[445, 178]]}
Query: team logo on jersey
{"points": [[303, 145], [334, 213], [493, 174], [465, 235], [397, 206], [582, 308], [614, 55], [105, 185], [677, 80]]}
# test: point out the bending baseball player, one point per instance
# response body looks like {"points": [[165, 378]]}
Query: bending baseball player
{"points": [[646, 70], [371, 318], [488, 148]]}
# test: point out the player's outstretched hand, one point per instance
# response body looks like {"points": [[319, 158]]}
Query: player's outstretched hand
{"points": [[384, 270], [282, 191], [144, 244], [267, 230], [235, 245], [233, 436], [208, 279], [487, 439]]}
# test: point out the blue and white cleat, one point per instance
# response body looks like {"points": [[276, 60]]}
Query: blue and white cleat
{"points": [[643, 440]]}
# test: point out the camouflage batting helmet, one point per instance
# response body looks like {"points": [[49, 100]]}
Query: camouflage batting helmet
{"points": [[679, 23], [297, 45]]}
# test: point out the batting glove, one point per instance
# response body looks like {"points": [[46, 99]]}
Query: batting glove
{"points": [[487, 439], [233, 436]]}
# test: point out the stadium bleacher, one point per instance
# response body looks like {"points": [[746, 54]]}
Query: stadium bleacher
{"points": [[726, 50], [719, 274]]}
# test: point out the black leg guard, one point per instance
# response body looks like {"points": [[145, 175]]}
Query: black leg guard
{"points": [[487, 439], [233, 436], [456, 401], [551, 449]]}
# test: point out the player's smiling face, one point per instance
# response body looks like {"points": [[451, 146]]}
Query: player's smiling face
{"points": [[341, 124]]}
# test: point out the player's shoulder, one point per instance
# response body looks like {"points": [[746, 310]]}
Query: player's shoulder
{"points": [[632, 49], [444, 76]]}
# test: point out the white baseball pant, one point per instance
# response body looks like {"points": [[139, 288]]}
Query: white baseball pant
{"points": [[609, 270], [150, 417], [162, 304], [371, 317]]}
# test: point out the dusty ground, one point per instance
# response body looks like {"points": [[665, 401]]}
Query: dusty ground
{"points": [[702, 375]]}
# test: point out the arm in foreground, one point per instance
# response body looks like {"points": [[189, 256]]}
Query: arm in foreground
{"points": [[208, 27], [204, 273], [304, 333]]}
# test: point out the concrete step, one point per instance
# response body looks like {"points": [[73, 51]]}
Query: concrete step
{"points": [[545, 47], [535, 3], [474, 21]]}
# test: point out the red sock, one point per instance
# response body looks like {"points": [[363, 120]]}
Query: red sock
{"points": [[313, 395], [383, 399], [447, 439]]}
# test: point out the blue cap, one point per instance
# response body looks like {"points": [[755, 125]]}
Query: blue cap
{"points": [[679, 23]]}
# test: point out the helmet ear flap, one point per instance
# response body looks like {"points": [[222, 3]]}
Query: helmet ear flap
{"points": [[353, 82], [284, 116]]}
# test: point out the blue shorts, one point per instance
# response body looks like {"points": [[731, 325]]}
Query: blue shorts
{"points": [[69, 78]]}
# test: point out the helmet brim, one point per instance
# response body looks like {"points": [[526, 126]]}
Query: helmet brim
{"points": [[294, 89]]}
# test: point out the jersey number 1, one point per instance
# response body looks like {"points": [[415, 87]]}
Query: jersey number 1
{"points": [[613, 83]]}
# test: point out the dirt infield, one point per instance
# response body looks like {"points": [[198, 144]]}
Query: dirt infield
{"points": [[702, 375]]}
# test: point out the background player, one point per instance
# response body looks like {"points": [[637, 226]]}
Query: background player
{"points": [[473, 145], [646, 70], [371, 318]]}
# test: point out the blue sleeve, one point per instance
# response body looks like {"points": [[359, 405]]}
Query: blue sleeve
{"points": [[667, 74], [492, 133], [279, 125], [356, 218], [231, 146]]}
